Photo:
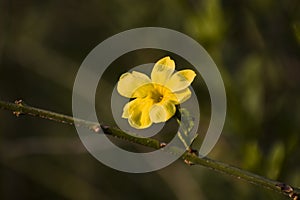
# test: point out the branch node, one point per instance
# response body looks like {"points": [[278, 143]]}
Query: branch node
{"points": [[162, 144], [103, 127], [96, 128], [287, 189], [188, 162], [193, 151], [17, 113], [19, 102]]}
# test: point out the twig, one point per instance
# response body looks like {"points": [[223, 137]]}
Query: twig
{"points": [[20, 107]]}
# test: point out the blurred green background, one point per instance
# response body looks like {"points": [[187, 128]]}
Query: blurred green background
{"points": [[255, 44]]}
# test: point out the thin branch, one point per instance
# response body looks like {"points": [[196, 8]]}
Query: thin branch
{"points": [[20, 108]]}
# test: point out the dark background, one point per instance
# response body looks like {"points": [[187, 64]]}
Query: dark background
{"points": [[255, 44]]}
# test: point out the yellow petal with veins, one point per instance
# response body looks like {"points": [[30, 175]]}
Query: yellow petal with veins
{"points": [[162, 111], [181, 80], [183, 95], [137, 112], [162, 70], [129, 82]]}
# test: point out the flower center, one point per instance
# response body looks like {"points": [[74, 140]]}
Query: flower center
{"points": [[160, 93], [156, 96], [156, 92]]}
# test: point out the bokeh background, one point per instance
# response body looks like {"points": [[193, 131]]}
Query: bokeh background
{"points": [[255, 44]]}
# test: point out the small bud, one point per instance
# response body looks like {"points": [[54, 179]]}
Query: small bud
{"points": [[285, 188], [162, 145], [190, 163], [17, 113], [19, 102], [96, 128]]}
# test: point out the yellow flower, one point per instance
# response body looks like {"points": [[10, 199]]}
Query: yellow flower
{"points": [[154, 99]]}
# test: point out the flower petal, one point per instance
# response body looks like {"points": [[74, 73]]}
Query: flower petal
{"points": [[126, 110], [162, 70], [183, 95], [129, 82], [137, 112], [143, 91], [181, 80], [162, 111]]}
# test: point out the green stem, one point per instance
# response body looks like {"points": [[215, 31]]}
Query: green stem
{"points": [[19, 108]]}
